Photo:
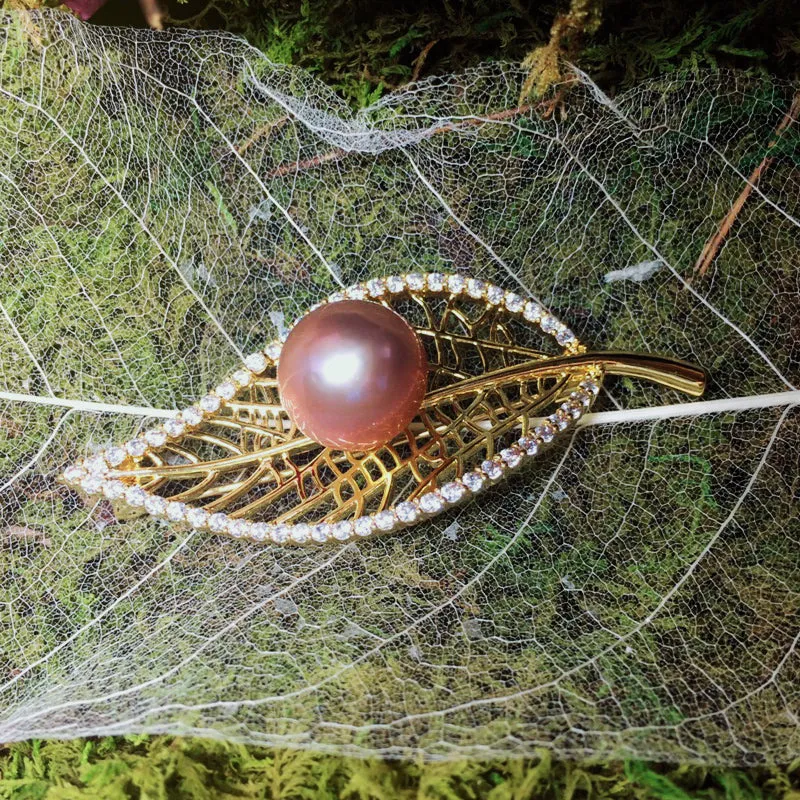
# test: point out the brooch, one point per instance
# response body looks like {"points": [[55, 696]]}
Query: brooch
{"points": [[385, 405]]}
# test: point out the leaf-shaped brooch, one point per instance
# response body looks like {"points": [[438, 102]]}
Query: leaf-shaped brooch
{"points": [[387, 404]]}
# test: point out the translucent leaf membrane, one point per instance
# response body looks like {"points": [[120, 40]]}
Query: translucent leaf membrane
{"points": [[169, 202]]}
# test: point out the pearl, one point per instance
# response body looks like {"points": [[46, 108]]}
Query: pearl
{"points": [[352, 375]]}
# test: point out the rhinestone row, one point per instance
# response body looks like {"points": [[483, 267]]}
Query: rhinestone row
{"points": [[95, 476]]}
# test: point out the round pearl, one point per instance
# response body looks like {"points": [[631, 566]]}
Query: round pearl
{"points": [[352, 375]]}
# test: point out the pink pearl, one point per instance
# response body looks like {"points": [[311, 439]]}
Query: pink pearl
{"points": [[352, 375]]}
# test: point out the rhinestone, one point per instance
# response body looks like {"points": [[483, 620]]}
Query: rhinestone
{"points": [[218, 522], [73, 474], [256, 362], [300, 533], [260, 531], [239, 528], [192, 415], [456, 283], [155, 437], [560, 420], [226, 390], [475, 288], [210, 403], [545, 432], [336, 297], [395, 284], [529, 445], [474, 481], [115, 456], [135, 496], [376, 287], [92, 484], [565, 337], [197, 517], [176, 511], [321, 533], [453, 491], [533, 311], [113, 490], [493, 469], [415, 281], [435, 281], [431, 503], [572, 410], [280, 534], [357, 292], [495, 295], [155, 505], [174, 427], [511, 456], [136, 447], [407, 511], [549, 324], [274, 350], [584, 398], [343, 530], [385, 520], [96, 465], [242, 377], [514, 302], [590, 386], [364, 526]]}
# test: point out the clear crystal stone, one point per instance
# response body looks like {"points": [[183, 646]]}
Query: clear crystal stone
{"points": [[336, 297], [395, 284], [511, 456], [475, 288], [300, 533], [176, 511], [321, 532], [572, 410], [280, 534], [376, 287], [226, 390], [274, 350], [514, 302], [197, 517], [533, 311], [218, 522], [192, 415], [136, 447], [73, 474], [357, 292], [415, 281], [582, 397], [260, 531], [92, 484], [407, 511], [343, 530], [492, 468], [549, 324], [239, 528], [135, 496], [156, 437], [155, 505], [435, 281], [256, 362], [96, 465], [529, 444], [456, 283], [590, 386], [115, 456], [210, 403], [546, 432], [242, 377], [453, 491], [174, 427], [474, 481], [431, 503], [364, 526], [385, 520], [565, 337], [559, 420], [113, 490], [494, 294]]}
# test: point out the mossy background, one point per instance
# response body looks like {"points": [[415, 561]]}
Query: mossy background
{"points": [[364, 50]]}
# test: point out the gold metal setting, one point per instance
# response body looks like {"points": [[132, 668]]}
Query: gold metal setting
{"points": [[506, 380]]}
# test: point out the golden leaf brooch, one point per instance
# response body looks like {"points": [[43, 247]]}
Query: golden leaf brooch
{"points": [[387, 404]]}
